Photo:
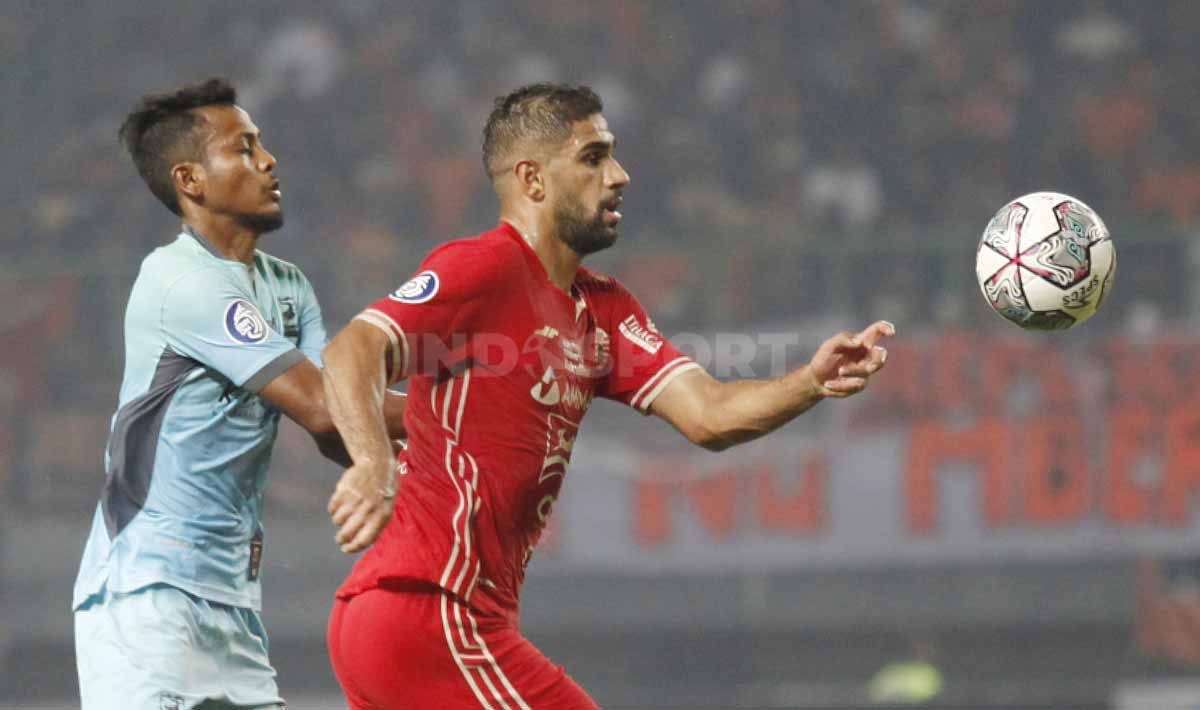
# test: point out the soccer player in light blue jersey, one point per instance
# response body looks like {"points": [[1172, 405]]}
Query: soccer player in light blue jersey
{"points": [[220, 339]]}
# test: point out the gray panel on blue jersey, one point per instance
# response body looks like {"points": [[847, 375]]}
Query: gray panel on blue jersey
{"points": [[134, 442]]}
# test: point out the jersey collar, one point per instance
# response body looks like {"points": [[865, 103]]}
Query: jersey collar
{"points": [[208, 246], [536, 264]]}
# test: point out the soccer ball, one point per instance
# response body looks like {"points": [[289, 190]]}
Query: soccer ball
{"points": [[1045, 261]]}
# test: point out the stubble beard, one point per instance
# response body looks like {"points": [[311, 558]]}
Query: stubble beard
{"points": [[262, 223], [584, 236]]}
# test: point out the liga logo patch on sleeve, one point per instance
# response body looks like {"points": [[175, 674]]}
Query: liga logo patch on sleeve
{"points": [[243, 322], [642, 337], [418, 289]]}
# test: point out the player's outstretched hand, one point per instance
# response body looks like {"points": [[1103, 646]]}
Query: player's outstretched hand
{"points": [[844, 363], [361, 504]]}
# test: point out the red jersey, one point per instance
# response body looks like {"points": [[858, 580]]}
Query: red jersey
{"points": [[502, 365]]}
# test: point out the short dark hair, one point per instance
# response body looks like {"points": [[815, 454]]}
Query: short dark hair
{"points": [[160, 132], [539, 111]]}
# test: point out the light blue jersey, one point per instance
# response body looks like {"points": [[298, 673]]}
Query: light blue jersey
{"points": [[191, 440]]}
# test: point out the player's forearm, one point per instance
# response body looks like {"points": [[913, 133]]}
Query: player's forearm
{"points": [[745, 410], [355, 393]]}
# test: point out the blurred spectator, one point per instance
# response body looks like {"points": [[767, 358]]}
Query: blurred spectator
{"points": [[844, 192], [1173, 192], [1095, 34], [39, 317], [301, 56], [1117, 121]]}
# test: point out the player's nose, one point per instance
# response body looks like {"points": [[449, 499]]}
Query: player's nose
{"points": [[615, 176], [268, 161]]}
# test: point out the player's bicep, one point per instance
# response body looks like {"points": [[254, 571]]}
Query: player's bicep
{"points": [[299, 393], [686, 403], [372, 340]]}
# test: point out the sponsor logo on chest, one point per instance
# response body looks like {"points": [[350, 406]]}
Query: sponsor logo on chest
{"points": [[553, 391], [546, 391]]}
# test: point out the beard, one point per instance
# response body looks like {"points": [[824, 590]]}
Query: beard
{"points": [[262, 223], [584, 236]]}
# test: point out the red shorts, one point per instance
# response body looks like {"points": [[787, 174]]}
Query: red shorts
{"points": [[420, 648]]}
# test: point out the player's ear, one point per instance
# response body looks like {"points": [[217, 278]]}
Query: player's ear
{"points": [[189, 179], [529, 178]]}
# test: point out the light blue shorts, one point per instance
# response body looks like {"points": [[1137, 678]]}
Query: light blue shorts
{"points": [[160, 648]]}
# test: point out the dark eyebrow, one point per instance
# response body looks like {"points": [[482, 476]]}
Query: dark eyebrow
{"points": [[599, 145]]}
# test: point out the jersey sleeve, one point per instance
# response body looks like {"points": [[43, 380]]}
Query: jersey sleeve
{"points": [[433, 316], [312, 325], [643, 362], [207, 317]]}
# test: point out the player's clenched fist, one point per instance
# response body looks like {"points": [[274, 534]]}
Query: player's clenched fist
{"points": [[361, 504], [844, 363]]}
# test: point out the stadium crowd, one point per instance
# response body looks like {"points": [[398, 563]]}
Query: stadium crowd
{"points": [[782, 154]]}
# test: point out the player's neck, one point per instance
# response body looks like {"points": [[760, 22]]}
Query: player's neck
{"points": [[231, 239], [560, 261]]}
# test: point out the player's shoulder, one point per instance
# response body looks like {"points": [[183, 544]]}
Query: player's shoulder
{"points": [[608, 298], [487, 249], [173, 265], [169, 258], [172, 284], [475, 263]]}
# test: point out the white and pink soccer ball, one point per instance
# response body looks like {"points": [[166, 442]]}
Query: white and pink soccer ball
{"points": [[1046, 261]]}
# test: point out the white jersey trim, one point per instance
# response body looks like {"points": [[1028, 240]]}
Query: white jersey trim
{"points": [[458, 658], [463, 471], [654, 386], [483, 665], [398, 369], [476, 661]]}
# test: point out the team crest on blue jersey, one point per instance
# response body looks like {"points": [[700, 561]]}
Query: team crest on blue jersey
{"points": [[243, 322], [418, 289]]}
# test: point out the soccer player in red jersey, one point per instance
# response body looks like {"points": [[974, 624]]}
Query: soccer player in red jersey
{"points": [[504, 340]]}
